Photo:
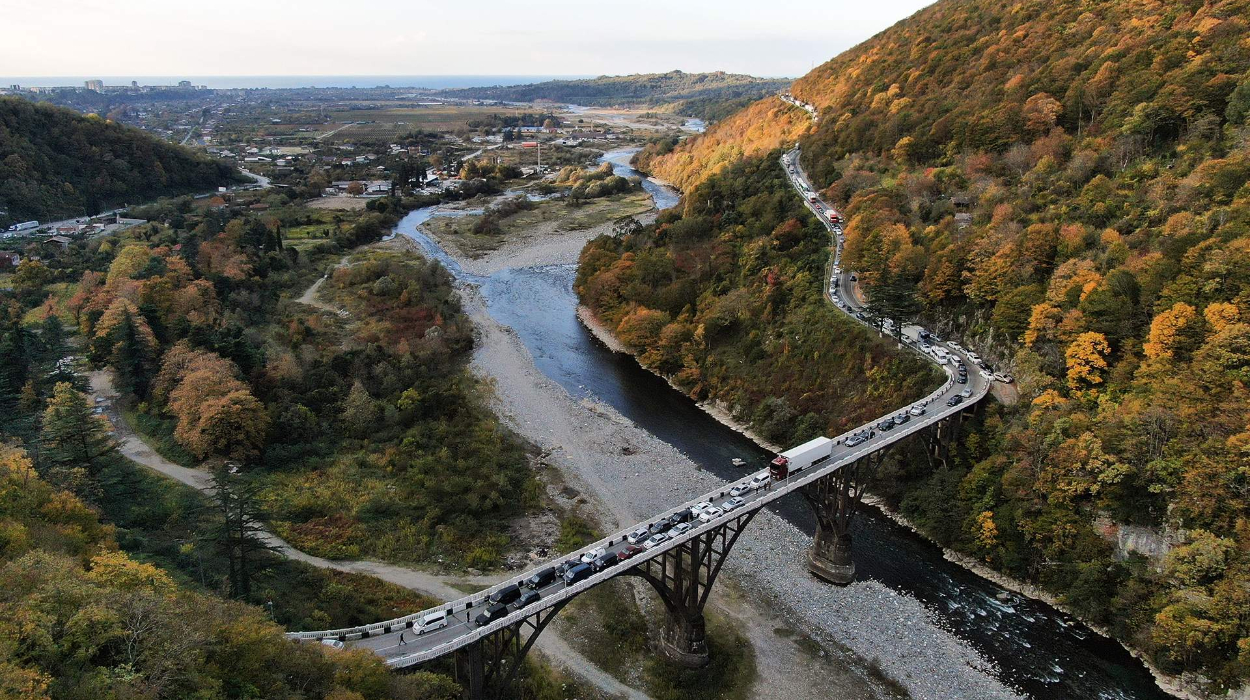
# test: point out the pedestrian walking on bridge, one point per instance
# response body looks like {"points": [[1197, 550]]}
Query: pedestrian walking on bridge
{"points": [[402, 641]]}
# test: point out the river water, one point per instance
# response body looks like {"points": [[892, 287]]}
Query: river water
{"points": [[1039, 650]]}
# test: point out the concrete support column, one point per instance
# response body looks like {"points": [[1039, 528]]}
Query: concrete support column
{"points": [[829, 559], [684, 639]]}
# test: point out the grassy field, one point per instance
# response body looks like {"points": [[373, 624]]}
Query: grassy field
{"points": [[554, 215], [611, 630], [395, 122]]}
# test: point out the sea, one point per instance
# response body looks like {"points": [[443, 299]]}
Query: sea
{"points": [[225, 82]]}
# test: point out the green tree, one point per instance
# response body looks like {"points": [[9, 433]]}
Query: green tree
{"points": [[133, 358], [895, 297], [73, 436], [360, 412], [237, 533]]}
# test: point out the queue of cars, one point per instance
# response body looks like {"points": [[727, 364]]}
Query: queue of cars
{"points": [[517, 596]]}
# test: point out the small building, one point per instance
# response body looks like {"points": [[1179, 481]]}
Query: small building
{"points": [[61, 241], [9, 259]]}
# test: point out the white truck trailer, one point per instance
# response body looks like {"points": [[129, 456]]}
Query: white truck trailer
{"points": [[796, 459]]}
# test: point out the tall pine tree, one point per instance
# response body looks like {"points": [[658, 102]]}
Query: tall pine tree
{"points": [[73, 436], [133, 357]]}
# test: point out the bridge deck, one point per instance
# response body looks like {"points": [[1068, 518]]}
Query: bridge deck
{"points": [[383, 637]]}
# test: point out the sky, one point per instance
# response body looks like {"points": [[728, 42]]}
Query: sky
{"points": [[418, 37]]}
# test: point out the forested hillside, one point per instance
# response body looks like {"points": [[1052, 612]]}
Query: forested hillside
{"points": [[56, 163], [729, 291], [703, 95], [347, 422], [1063, 185]]}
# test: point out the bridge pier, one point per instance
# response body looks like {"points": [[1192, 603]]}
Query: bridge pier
{"points": [[829, 559], [835, 499], [684, 639], [683, 578], [487, 668]]}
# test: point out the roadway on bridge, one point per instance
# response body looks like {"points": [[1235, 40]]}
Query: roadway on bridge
{"points": [[461, 630]]}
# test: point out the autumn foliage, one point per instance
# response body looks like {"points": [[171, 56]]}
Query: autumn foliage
{"points": [[1063, 185]]}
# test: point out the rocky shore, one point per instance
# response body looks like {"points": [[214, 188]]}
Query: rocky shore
{"points": [[630, 475], [1170, 684]]}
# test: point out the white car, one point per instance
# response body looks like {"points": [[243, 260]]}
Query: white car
{"points": [[593, 554], [733, 504], [655, 541], [759, 481], [740, 490], [679, 529], [966, 393], [973, 356], [698, 508], [1004, 377], [917, 411], [332, 643], [429, 623], [637, 535], [710, 514]]}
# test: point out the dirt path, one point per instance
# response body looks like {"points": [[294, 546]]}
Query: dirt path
{"points": [[550, 644], [309, 296]]}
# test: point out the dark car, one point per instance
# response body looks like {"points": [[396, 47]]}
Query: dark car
{"points": [[527, 598], [581, 572], [963, 379], [886, 425], [491, 614], [658, 527], [901, 418], [682, 516], [563, 569], [542, 578], [954, 400], [630, 552], [607, 560], [506, 595]]}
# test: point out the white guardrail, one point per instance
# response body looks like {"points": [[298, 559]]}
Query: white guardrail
{"points": [[771, 494]]}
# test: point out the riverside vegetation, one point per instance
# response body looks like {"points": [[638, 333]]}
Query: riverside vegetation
{"points": [[1063, 184], [363, 435]]}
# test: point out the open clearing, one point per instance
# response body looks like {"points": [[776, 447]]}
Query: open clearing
{"points": [[544, 219]]}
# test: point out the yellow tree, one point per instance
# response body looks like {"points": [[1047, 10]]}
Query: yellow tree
{"points": [[1221, 315], [1043, 323], [1171, 332], [1087, 359]]}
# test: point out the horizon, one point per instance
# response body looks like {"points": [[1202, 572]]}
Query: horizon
{"points": [[246, 39]]}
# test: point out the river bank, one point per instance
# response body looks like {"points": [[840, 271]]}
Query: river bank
{"points": [[714, 409], [1170, 684], [633, 475]]}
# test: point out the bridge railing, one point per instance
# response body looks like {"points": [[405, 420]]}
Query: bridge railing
{"points": [[469, 602]]}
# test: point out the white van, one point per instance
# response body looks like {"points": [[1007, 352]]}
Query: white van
{"points": [[431, 622]]}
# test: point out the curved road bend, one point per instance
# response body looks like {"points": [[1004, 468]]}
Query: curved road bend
{"points": [[383, 637]]}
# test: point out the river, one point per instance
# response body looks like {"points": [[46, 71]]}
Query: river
{"points": [[1040, 650]]}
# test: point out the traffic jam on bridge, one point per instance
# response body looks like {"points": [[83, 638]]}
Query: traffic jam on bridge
{"points": [[434, 633]]}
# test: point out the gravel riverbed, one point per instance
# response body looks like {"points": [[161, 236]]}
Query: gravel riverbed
{"points": [[633, 475]]}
